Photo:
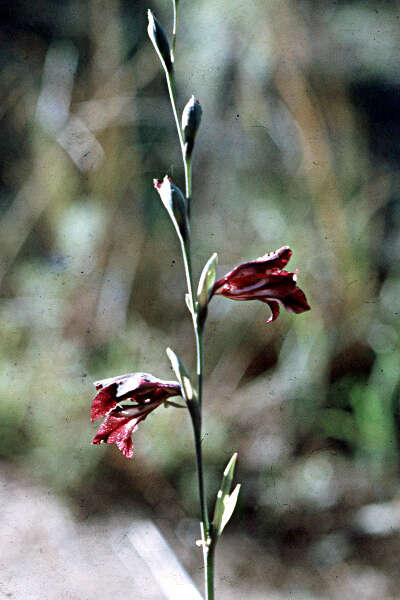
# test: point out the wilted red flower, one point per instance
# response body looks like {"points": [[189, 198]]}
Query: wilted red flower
{"points": [[264, 279], [121, 420], [119, 425], [135, 386]]}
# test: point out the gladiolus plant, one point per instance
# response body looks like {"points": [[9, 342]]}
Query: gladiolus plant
{"points": [[126, 400]]}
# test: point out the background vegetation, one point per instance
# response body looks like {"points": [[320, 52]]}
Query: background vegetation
{"points": [[298, 146]]}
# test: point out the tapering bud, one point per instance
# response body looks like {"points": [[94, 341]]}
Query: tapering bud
{"points": [[226, 501], [175, 203], [160, 41], [191, 118], [188, 393], [205, 288]]}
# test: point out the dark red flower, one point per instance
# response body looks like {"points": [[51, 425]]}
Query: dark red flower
{"points": [[120, 423], [135, 386], [122, 419], [264, 279]]}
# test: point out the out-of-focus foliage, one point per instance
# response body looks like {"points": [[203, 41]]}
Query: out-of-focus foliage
{"points": [[298, 145]]}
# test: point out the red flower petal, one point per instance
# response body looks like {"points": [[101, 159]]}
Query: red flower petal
{"points": [[265, 279], [118, 426], [137, 386], [296, 302], [117, 430], [275, 309], [256, 269], [277, 259], [103, 402]]}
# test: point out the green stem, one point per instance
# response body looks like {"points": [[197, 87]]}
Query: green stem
{"points": [[200, 362], [189, 277], [188, 186], [171, 91], [196, 420], [196, 414], [175, 5], [208, 550], [187, 163], [209, 571]]}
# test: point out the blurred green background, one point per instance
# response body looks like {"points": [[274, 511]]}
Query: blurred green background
{"points": [[299, 145]]}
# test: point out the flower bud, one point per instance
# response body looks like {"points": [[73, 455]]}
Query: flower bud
{"points": [[226, 501], [175, 203], [205, 288], [160, 41], [188, 393], [191, 118]]}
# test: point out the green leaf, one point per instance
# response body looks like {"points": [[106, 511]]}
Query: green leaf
{"points": [[226, 501], [205, 287]]}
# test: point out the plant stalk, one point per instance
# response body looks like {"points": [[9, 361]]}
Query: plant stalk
{"points": [[209, 571], [207, 543], [175, 4], [171, 91], [187, 163], [196, 416]]}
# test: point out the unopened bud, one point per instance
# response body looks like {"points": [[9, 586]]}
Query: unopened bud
{"points": [[175, 203], [160, 41], [191, 118], [204, 290]]}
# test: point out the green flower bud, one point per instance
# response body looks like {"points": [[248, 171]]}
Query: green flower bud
{"points": [[175, 203], [205, 288], [160, 41], [226, 500], [191, 118]]}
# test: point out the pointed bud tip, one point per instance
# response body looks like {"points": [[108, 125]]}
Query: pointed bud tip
{"points": [[158, 183], [231, 464], [191, 117], [159, 40]]}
